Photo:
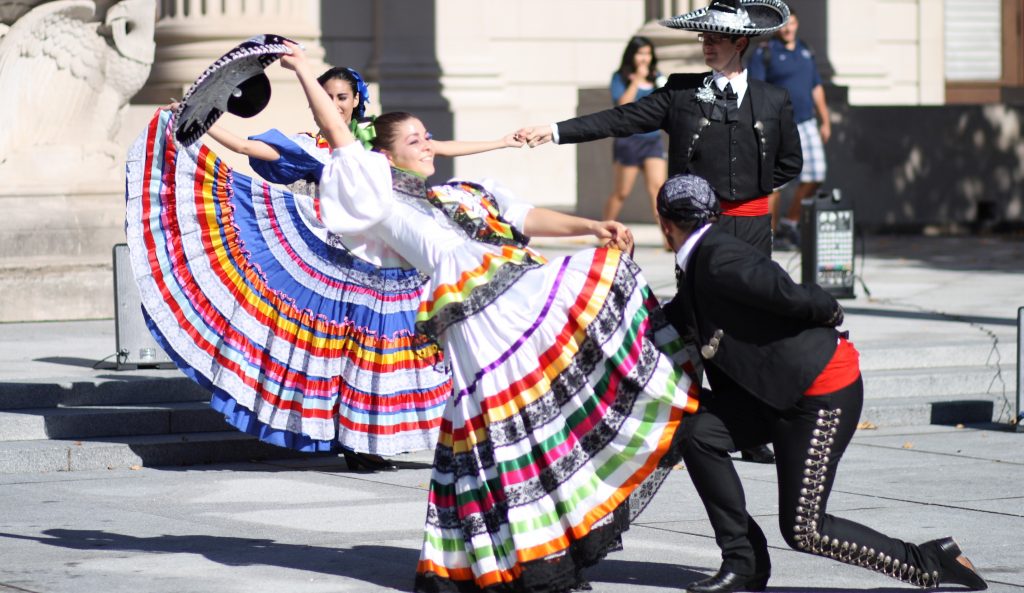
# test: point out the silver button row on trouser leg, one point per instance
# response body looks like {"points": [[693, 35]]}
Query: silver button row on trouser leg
{"points": [[809, 539]]}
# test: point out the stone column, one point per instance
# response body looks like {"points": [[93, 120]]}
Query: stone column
{"points": [[404, 62], [854, 53], [191, 34], [476, 87]]}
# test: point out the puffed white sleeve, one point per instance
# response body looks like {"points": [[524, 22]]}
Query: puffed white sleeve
{"points": [[513, 208], [355, 189]]}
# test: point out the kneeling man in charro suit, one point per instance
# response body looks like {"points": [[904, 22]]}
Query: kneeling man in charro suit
{"points": [[780, 373]]}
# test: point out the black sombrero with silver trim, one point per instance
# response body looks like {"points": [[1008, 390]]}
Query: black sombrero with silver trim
{"points": [[235, 83], [734, 17]]}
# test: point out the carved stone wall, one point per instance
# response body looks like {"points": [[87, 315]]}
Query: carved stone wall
{"points": [[68, 69]]}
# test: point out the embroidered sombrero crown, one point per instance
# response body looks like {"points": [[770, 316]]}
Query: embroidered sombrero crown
{"points": [[234, 83], [734, 17]]}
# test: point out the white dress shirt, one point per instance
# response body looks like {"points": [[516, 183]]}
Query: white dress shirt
{"points": [[686, 249], [739, 84]]}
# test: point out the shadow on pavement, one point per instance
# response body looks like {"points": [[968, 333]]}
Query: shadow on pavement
{"points": [[771, 589], [674, 577], [78, 362], [332, 463], [372, 564], [383, 566], [966, 253], [649, 574]]}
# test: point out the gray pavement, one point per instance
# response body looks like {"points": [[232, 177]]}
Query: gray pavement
{"points": [[939, 308]]}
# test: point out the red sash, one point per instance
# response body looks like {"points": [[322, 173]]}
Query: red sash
{"points": [[755, 207], [841, 371]]}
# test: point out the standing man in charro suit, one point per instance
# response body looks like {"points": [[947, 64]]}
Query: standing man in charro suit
{"points": [[737, 133], [779, 372]]}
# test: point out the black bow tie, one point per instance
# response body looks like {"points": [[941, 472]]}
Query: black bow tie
{"points": [[726, 105]]}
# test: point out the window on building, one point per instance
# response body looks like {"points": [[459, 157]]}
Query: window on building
{"points": [[983, 47]]}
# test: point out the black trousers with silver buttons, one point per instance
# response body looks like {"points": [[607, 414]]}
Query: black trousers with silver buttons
{"points": [[809, 440]]}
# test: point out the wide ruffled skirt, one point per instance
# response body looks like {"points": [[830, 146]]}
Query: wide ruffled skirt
{"points": [[300, 342], [568, 389]]}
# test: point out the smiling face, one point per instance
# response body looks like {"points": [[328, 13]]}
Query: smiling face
{"points": [[410, 147], [344, 97]]}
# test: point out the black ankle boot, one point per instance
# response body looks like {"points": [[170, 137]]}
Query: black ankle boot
{"points": [[758, 454], [726, 581], [952, 571], [361, 462]]}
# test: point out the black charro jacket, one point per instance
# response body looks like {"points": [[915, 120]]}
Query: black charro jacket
{"points": [[675, 109], [776, 334]]}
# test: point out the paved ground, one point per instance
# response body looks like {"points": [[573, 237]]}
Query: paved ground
{"points": [[311, 526]]}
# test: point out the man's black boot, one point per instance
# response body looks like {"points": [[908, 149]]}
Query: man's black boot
{"points": [[726, 581], [758, 454]]}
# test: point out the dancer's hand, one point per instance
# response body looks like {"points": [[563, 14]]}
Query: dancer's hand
{"points": [[627, 243], [615, 233], [293, 60], [624, 242], [837, 317], [513, 140], [536, 135], [172, 106], [641, 74]]}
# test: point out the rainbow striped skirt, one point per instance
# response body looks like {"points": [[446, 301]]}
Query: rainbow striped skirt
{"points": [[300, 342], [568, 389]]}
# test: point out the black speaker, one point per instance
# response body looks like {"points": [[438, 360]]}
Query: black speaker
{"points": [[135, 345], [826, 237]]}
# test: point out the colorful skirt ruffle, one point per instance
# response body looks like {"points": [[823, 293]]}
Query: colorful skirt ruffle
{"points": [[568, 390], [300, 342]]}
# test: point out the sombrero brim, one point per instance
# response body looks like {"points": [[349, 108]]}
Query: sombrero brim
{"points": [[235, 83], [766, 16]]}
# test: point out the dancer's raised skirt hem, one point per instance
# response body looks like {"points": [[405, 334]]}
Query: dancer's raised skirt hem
{"points": [[301, 343]]}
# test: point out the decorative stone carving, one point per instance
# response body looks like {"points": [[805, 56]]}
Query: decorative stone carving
{"points": [[68, 69]]}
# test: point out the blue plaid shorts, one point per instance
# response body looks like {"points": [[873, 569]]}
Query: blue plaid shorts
{"points": [[814, 152]]}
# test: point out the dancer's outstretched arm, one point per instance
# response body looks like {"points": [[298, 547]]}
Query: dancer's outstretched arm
{"points": [[542, 222], [324, 112], [250, 148], [464, 148]]}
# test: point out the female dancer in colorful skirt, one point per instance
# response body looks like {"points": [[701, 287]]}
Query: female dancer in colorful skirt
{"points": [[568, 384], [392, 388], [304, 339]]}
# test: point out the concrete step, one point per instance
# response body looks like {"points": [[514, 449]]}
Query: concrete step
{"points": [[938, 382], [128, 452], [109, 421], [125, 390], [883, 356], [932, 409]]}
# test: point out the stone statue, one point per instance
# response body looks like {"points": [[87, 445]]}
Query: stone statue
{"points": [[67, 71]]}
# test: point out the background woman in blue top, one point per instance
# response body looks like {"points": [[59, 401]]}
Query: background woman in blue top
{"points": [[636, 78]]}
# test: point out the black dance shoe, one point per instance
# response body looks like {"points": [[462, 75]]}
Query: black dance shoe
{"points": [[726, 581], [362, 462], [954, 567], [758, 454]]}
